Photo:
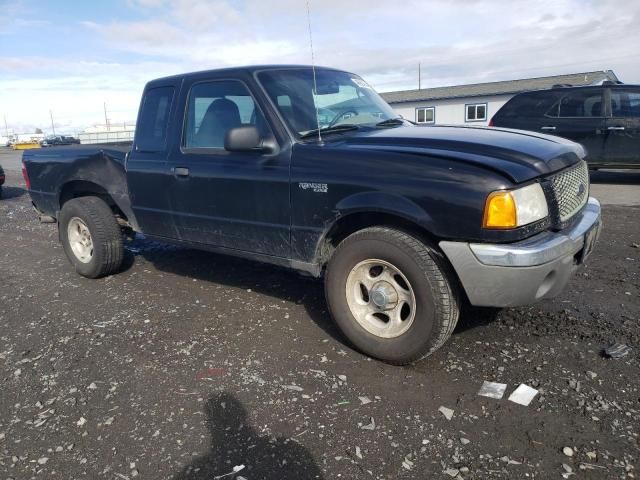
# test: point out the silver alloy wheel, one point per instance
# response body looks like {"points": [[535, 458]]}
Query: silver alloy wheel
{"points": [[381, 298], [80, 240]]}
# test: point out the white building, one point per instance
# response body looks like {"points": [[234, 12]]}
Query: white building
{"points": [[475, 104]]}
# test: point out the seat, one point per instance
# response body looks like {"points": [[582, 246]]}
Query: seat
{"points": [[221, 116], [615, 108]]}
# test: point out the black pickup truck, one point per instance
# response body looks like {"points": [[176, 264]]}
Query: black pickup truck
{"points": [[310, 169]]}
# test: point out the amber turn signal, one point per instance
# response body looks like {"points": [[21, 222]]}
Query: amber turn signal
{"points": [[500, 211]]}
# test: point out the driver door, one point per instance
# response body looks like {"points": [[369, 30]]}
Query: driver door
{"points": [[237, 200]]}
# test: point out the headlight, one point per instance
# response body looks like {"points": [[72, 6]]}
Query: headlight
{"points": [[515, 208]]}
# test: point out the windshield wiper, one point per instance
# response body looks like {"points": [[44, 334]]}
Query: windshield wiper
{"points": [[345, 127], [390, 122]]}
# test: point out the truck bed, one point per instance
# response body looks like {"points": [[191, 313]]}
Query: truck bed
{"points": [[55, 173]]}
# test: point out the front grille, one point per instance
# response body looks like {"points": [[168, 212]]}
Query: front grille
{"points": [[570, 190]]}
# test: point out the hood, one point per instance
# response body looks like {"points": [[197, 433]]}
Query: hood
{"points": [[516, 154]]}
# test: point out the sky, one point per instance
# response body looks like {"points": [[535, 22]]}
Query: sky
{"points": [[71, 58]]}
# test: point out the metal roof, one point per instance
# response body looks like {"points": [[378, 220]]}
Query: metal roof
{"points": [[499, 88]]}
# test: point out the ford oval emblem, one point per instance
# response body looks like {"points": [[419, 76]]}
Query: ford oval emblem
{"points": [[580, 190]]}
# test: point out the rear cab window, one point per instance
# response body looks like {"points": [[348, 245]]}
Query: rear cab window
{"points": [[151, 135]]}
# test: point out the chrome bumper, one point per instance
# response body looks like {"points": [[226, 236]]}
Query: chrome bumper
{"points": [[503, 275]]}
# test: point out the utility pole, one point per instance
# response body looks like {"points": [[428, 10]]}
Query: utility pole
{"points": [[6, 128], [419, 76], [52, 125], [106, 120]]}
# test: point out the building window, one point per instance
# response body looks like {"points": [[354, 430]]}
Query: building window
{"points": [[476, 112], [426, 115]]}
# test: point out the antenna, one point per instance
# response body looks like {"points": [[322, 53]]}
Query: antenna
{"points": [[53, 127], [106, 119], [313, 68]]}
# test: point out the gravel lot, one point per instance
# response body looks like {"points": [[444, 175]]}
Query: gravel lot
{"points": [[188, 364]]}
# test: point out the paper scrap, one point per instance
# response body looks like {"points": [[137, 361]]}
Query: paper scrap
{"points": [[523, 395], [492, 390]]}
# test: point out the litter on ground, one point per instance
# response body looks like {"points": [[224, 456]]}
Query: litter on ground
{"points": [[492, 390], [370, 426], [447, 412], [523, 395], [617, 350], [236, 469]]}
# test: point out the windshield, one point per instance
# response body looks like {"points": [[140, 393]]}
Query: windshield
{"points": [[341, 99]]}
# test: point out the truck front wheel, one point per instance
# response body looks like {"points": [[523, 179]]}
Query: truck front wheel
{"points": [[389, 295], [91, 237]]}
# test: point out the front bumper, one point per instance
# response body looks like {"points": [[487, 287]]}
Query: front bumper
{"points": [[509, 275]]}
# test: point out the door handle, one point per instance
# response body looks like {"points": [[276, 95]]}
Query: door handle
{"points": [[548, 127], [180, 171], [615, 128]]}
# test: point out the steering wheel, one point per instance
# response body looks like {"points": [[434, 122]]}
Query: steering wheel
{"points": [[335, 119]]}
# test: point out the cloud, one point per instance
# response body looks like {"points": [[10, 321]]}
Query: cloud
{"points": [[146, 37], [16, 15], [456, 42], [459, 41]]}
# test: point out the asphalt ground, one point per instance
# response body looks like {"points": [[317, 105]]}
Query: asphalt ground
{"points": [[188, 364]]}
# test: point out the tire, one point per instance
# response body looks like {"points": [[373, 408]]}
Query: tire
{"points": [[414, 272], [103, 253]]}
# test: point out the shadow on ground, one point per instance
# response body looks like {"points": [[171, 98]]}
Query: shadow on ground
{"points": [[473, 317], [234, 443], [615, 177], [266, 279], [11, 192], [236, 272]]}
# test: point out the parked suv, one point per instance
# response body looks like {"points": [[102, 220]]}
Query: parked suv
{"points": [[604, 119]]}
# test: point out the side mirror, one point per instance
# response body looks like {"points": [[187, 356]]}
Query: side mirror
{"points": [[242, 139]]}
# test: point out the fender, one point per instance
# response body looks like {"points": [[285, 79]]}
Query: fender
{"points": [[104, 170], [382, 202], [376, 203]]}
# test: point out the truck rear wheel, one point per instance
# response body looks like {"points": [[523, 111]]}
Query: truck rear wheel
{"points": [[91, 237], [389, 295]]}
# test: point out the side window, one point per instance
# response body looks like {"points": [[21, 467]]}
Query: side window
{"points": [[531, 104], [216, 107], [154, 118], [581, 103], [426, 115], [625, 103], [476, 112]]}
